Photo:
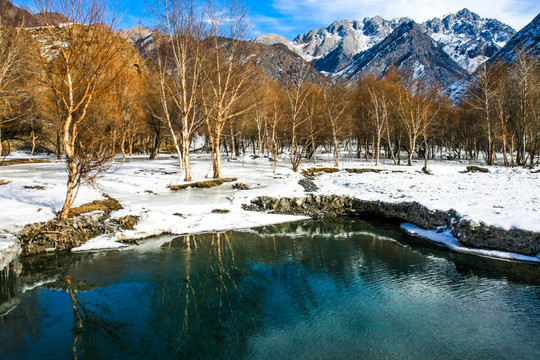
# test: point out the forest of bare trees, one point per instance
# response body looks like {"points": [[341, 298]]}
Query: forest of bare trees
{"points": [[86, 95]]}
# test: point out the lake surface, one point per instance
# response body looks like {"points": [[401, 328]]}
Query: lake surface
{"points": [[335, 289]]}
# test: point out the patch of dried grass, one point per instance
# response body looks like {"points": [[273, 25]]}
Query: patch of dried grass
{"points": [[107, 205], [202, 184]]}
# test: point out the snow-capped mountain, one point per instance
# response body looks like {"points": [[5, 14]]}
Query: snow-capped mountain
{"points": [[526, 38], [409, 49], [331, 49], [466, 37]]}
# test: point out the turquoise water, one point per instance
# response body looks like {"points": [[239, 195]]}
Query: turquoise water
{"points": [[340, 289]]}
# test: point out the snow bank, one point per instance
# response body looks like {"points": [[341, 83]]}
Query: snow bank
{"points": [[503, 197], [507, 198], [447, 239], [9, 249]]}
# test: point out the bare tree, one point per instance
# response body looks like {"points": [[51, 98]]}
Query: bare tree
{"points": [[165, 101], [414, 108], [336, 104], [184, 30], [130, 108], [275, 116], [525, 72], [11, 58], [379, 114], [80, 63], [298, 91], [226, 74], [481, 96]]}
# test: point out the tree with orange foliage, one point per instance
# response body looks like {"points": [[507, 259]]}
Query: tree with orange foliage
{"points": [[80, 64]]}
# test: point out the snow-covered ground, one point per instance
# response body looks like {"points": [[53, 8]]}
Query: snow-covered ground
{"points": [[504, 197]]}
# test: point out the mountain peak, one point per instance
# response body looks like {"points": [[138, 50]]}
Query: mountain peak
{"points": [[527, 39], [272, 39], [467, 38], [135, 34], [409, 49], [466, 13]]}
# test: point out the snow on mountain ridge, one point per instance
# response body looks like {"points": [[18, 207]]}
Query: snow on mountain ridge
{"points": [[466, 37], [527, 38], [333, 47]]}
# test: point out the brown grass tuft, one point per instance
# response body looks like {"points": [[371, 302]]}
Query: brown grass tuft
{"points": [[313, 172], [22, 161], [107, 205], [202, 184]]}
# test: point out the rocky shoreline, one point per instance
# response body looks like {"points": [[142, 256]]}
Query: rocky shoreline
{"points": [[57, 235], [469, 233]]}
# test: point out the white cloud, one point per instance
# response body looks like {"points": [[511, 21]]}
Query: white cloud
{"points": [[516, 13]]}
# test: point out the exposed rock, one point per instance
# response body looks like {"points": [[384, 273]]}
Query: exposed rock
{"points": [[527, 39], [272, 39], [308, 185], [473, 169], [4, 182], [467, 38], [409, 49], [468, 232], [480, 235], [14, 16]]}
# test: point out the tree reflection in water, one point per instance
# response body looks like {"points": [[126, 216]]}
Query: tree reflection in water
{"points": [[309, 288], [91, 331], [209, 308]]}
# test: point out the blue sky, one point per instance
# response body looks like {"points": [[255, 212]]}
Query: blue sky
{"points": [[292, 17]]}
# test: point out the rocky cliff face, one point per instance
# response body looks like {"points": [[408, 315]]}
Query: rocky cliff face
{"points": [[464, 36], [467, 38], [331, 49], [277, 61], [527, 39], [409, 49], [140, 38]]}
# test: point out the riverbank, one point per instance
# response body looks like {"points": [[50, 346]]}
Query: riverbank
{"points": [[502, 198], [445, 228]]}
